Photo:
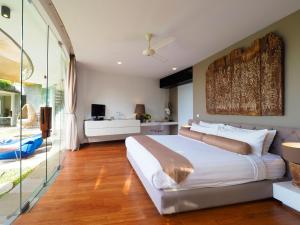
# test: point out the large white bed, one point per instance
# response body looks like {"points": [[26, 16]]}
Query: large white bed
{"points": [[219, 177], [213, 167]]}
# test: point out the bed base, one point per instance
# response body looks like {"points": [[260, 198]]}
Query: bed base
{"points": [[169, 202]]}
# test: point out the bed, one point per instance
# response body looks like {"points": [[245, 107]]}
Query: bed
{"points": [[236, 178]]}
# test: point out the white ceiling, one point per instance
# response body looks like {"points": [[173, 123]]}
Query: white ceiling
{"points": [[106, 31]]}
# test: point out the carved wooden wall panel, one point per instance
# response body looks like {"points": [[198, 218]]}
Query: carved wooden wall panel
{"points": [[236, 56], [223, 83], [248, 82], [210, 91], [272, 75]]}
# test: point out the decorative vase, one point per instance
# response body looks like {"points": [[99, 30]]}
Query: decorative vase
{"points": [[291, 153], [295, 172]]}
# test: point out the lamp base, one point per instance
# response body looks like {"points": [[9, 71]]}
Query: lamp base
{"points": [[295, 172]]}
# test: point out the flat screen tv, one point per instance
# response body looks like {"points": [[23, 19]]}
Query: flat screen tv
{"points": [[98, 111]]}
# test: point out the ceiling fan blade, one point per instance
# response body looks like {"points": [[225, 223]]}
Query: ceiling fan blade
{"points": [[160, 58], [163, 43]]}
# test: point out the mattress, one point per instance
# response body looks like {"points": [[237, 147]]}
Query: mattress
{"points": [[213, 167], [275, 166], [168, 202]]}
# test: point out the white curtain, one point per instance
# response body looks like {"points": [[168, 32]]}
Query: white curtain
{"points": [[72, 142]]}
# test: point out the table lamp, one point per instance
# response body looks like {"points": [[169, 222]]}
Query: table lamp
{"points": [[139, 111], [291, 152]]}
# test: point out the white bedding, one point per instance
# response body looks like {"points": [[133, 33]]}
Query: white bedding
{"points": [[213, 167], [275, 166]]}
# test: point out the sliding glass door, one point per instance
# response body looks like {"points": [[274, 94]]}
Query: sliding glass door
{"points": [[56, 102], [10, 107], [33, 65], [34, 92]]}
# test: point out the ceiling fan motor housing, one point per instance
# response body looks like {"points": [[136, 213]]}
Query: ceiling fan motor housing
{"points": [[149, 52]]}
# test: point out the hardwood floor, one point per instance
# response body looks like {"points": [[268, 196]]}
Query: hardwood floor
{"points": [[98, 186]]}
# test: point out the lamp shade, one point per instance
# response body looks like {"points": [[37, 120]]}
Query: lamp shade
{"points": [[139, 109], [291, 151]]}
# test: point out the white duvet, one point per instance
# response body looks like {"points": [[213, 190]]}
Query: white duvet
{"points": [[213, 167]]}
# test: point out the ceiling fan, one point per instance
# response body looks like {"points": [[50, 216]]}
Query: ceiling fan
{"points": [[152, 51]]}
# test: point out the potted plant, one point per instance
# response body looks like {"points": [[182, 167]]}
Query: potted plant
{"points": [[168, 112], [147, 117]]}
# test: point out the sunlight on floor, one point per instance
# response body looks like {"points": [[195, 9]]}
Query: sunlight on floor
{"points": [[99, 178], [127, 184]]}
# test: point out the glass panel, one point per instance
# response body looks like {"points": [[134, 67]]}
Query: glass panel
{"points": [[56, 102], [10, 105], [34, 94], [32, 70], [64, 62]]}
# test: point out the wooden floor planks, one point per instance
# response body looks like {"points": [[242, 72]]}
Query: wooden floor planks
{"points": [[98, 186]]}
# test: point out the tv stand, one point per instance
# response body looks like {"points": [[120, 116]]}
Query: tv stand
{"points": [[108, 130]]}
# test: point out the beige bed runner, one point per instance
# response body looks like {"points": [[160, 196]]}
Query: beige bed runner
{"points": [[172, 163]]}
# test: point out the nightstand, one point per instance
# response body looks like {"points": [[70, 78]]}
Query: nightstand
{"points": [[288, 194]]}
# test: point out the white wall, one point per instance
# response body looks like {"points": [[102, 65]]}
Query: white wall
{"points": [[185, 103], [119, 94]]}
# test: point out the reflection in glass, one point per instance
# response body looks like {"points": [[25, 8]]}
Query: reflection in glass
{"points": [[10, 108], [34, 91], [27, 160], [10, 59]]}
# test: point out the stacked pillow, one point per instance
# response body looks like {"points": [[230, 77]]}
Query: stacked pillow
{"points": [[221, 142], [259, 140], [207, 128], [255, 138], [268, 141]]}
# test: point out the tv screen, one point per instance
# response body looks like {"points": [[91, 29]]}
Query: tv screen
{"points": [[98, 110]]}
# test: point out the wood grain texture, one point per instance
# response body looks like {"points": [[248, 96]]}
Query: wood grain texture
{"points": [[272, 50], [248, 81], [98, 186]]}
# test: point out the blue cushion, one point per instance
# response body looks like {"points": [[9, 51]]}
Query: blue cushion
{"points": [[29, 145]]}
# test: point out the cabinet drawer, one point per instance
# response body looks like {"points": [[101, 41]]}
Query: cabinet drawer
{"points": [[112, 123], [111, 131]]}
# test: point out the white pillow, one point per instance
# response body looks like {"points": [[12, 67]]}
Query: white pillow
{"points": [[268, 141], [205, 124], [207, 130], [255, 138]]}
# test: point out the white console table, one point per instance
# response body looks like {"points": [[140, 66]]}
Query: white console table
{"points": [[108, 130]]}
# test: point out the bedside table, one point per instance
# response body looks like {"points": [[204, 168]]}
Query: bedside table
{"points": [[288, 194]]}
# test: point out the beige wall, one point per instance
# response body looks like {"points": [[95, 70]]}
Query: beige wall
{"points": [[173, 99], [289, 29]]}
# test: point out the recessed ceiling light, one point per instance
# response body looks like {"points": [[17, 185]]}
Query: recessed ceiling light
{"points": [[174, 68], [5, 11], [119, 62]]}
